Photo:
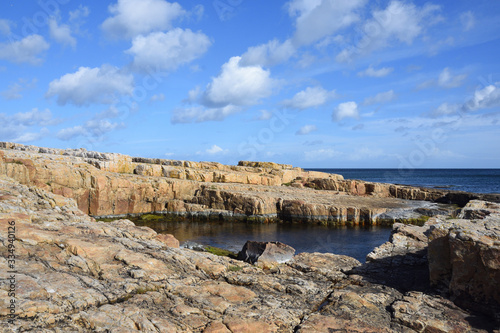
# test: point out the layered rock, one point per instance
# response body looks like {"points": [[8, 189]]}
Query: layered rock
{"points": [[118, 185], [77, 275], [464, 257]]}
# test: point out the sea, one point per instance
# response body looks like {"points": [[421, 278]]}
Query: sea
{"points": [[356, 241], [468, 180]]}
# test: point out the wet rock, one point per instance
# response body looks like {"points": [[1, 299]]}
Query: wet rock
{"points": [[266, 252]]}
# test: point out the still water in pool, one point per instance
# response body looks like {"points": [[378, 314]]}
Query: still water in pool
{"points": [[356, 242]]}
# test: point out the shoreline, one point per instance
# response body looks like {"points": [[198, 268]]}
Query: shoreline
{"points": [[74, 273]]}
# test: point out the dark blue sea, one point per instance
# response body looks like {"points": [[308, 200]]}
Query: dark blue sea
{"points": [[468, 180]]}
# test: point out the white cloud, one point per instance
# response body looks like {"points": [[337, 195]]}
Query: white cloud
{"points": [[399, 22], [34, 117], [234, 88], [372, 72], [447, 80], [309, 98], [269, 54], [168, 51], [468, 20], [445, 109], [4, 27], [314, 20], [15, 89], [22, 126], [214, 150], [201, 114], [61, 33], [25, 50], [70, 133], [30, 136], [238, 85], [485, 98], [383, 97], [79, 13], [304, 130], [346, 110], [95, 128], [91, 85], [318, 19], [135, 17]]}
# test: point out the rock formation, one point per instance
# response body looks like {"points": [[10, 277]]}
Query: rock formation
{"points": [[106, 184], [73, 274]]}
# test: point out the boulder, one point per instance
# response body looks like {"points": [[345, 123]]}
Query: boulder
{"points": [[266, 252]]}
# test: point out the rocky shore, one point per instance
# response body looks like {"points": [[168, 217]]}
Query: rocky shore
{"points": [[64, 272], [107, 184]]}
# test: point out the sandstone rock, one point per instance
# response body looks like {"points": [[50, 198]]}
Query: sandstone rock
{"points": [[168, 240], [78, 275], [464, 258], [266, 252]]}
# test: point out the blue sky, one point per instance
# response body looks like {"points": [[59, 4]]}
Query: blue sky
{"points": [[313, 83]]}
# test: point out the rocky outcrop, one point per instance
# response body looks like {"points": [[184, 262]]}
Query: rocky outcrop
{"points": [[73, 274], [118, 185], [464, 257]]}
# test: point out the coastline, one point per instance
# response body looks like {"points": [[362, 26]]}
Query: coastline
{"points": [[73, 273]]}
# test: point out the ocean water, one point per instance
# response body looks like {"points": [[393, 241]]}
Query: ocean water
{"points": [[468, 180]]}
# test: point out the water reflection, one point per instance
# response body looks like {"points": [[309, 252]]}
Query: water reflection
{"points": [[356, 242]]}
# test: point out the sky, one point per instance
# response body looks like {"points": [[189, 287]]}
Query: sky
{"points": [[312, 83]]}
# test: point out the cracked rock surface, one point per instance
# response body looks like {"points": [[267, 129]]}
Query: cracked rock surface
{"points": [[78, 275]]}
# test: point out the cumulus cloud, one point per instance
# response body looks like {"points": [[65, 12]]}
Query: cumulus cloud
{"points": [[372, 72], [200, 114], [61, 33], [319, 18], [23, 126], [168, 51], [346, 110], [304, 130], [94, 129], [214, 150], [309, 98], [314, 20], [468, 20], [269, 54], [400, 22], [78, 14], [239, 85], [26, 50], [380, 98], [447, 80], [91, 85], [135, 17], [233, 89]]}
